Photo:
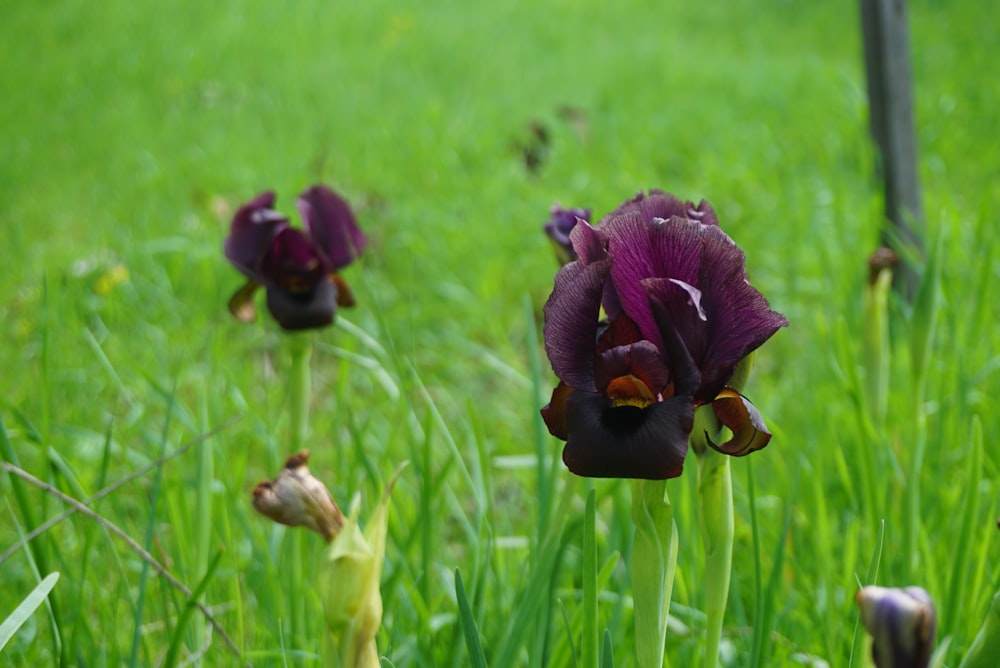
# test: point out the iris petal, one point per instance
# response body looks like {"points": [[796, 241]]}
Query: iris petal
{"points": [[330, 222], [571, 317], [241, 303], [642, 249], [743, 419], [626, 441], [303, 311], [740, 318], [254, 227], [554, 412]]}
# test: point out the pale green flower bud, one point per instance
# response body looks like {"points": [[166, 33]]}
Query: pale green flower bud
{"points": [[349, 585]]}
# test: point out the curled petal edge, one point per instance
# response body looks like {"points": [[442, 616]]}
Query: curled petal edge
{"points": [[745, 422]]}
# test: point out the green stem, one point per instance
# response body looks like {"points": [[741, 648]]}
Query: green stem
{"points": [[715, 493], [654, 560], [715, 497], [299, 385]]}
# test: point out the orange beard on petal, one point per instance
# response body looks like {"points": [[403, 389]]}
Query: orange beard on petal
{"points": [[629, 391]]}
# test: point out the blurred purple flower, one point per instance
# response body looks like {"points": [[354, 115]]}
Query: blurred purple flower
{"points": [[902, 623], [559, 226], [297, 268], [680, 317]]}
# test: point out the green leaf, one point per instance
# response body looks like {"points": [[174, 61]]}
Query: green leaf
{"points": [[654, 559], [27, 607], [469, 627], [589, 643]]}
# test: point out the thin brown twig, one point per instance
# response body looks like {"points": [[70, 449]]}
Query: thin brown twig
{"points": [[48, 524], [135, 547]]}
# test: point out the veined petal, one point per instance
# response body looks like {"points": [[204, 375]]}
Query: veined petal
{"points": [[626, 441], [331, 224], [589, 244], [684, 371], [571, 316], [643, 249], [743, 419], [254, 226], [740, 319], [658, 204]]}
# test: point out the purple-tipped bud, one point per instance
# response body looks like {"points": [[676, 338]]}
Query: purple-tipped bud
{"points": [[558, 228], [902, 623]]}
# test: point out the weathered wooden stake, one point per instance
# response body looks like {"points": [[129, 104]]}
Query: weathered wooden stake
{"points": [[890, 96]]}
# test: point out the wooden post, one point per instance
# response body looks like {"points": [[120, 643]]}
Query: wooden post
{"points": [[890, 98]]}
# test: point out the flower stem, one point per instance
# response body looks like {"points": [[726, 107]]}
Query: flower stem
{"points": [[715, 493], [654, 560], [299, 384]]}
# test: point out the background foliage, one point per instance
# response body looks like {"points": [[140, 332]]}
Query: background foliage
{"points": [[128, 134]]}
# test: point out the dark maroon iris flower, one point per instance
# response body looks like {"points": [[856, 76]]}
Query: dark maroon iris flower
{"points": [[559, 226], [679, 315], [297, 268]]}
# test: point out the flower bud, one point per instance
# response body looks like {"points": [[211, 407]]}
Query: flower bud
{"points": [[902, 623], [349, 584]]}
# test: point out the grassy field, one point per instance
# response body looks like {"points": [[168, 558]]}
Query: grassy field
{"points": [[130, 132]]}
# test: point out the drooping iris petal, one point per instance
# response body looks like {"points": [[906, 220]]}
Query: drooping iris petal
{"points": [[626, 442], [330, 222], [743, 419], [254, 227], [554, 412], [306, 310], [241, 303], [571, 319]]}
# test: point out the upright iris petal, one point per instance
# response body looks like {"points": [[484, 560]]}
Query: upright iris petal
{"points": [[680, 315], [296, 267]]}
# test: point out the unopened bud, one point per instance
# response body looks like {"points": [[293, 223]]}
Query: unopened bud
{"points": [[902, 623]]}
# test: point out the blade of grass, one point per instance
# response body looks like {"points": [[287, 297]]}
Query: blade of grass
{"points": [[607, 652], [177, 640], [469, 627], [589, 644], [91, 500], [961, 566], [131, 542], [870, 579], [35, 598], [38, 554], [150, 529]]}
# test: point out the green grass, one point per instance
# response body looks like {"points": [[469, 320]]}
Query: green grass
{"points": [[129, 132]]}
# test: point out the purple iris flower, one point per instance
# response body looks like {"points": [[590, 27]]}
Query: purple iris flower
{"points": [[679, 316], [559, 226], [297, 268]]}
